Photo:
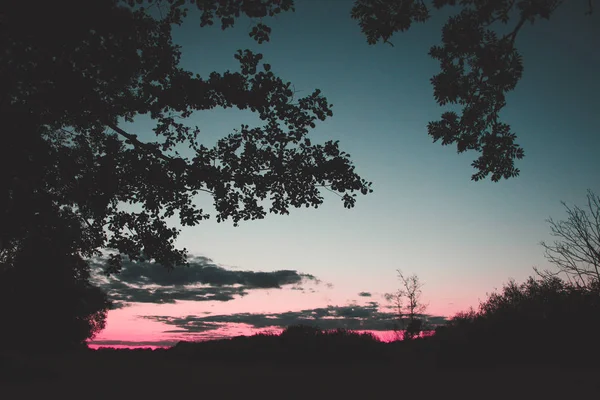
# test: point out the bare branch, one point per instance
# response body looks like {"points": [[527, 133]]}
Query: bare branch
{"points": [[513, 35], [410, 309], [576, 253]]}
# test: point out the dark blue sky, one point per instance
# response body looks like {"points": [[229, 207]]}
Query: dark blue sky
{"points": [[425, 216]]}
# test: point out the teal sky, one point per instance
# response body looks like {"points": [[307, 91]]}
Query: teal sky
{"points": [[426, 216]]}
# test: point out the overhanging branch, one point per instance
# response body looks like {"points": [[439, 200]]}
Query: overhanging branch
{"points": [[137, 143]]}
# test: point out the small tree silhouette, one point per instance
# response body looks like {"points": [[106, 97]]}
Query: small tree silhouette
{"points": [[408, 306]]}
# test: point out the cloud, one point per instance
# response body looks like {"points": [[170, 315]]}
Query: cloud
{"points": [[354, 317], [161, 295], [202, 270], [201, 280], [364, 294]]}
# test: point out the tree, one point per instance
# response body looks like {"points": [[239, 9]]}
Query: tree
{"points": [[543, 320], [409, 308], [72, 71], [46, 299], [576, 253], [478, 67]]}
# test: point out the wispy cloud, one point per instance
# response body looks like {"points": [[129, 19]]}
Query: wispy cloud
{"points": [[354, 317], [201, 280]]}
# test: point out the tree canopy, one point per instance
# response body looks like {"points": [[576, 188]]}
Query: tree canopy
{"points": [[543, 320], [478, 66], [73, 71], [46, 299]]}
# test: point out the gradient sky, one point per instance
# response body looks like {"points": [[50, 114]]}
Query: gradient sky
{"points": [[464, 239]]}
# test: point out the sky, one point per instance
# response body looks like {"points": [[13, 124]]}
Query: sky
{"points": [[463, 239]]}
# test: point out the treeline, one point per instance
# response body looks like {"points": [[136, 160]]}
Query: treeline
{"points": [[543, 321], [296, 344]]}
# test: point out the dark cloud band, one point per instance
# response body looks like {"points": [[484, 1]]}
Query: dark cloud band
{"points": [[200, 280], [354, 317]]}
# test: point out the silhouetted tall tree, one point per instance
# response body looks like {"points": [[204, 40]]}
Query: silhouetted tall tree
{"points": [[71, 73], [478, 67], [46, 298]]}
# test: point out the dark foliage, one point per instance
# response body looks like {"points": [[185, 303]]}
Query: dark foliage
{"points": [[478, 65], [70, 73], [46, 300], [73, 71], [542, 321]]}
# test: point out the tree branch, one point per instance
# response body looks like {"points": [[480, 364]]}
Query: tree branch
{"points": [[327, 188], [136, 142], [156, 152], [513, 35]]}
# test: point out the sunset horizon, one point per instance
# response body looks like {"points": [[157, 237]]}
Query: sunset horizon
{"points": [[300, 198], [464, 239]]}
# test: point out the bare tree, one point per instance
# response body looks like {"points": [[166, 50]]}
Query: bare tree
{"points": [[408, 305], [576, 252]]}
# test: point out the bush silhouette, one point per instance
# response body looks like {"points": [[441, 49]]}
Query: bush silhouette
{"points": [[542, 321], [47, 301]]}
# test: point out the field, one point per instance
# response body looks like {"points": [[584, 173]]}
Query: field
{"points": [[126, 374]]}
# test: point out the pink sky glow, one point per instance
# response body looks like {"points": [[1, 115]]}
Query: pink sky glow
{"points": [[129, 326]]}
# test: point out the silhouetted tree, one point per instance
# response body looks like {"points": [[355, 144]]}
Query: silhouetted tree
{"points": [[72, 72], [46, 299], [543, 320], [478, 67], [576, 253], [409, 308]]}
